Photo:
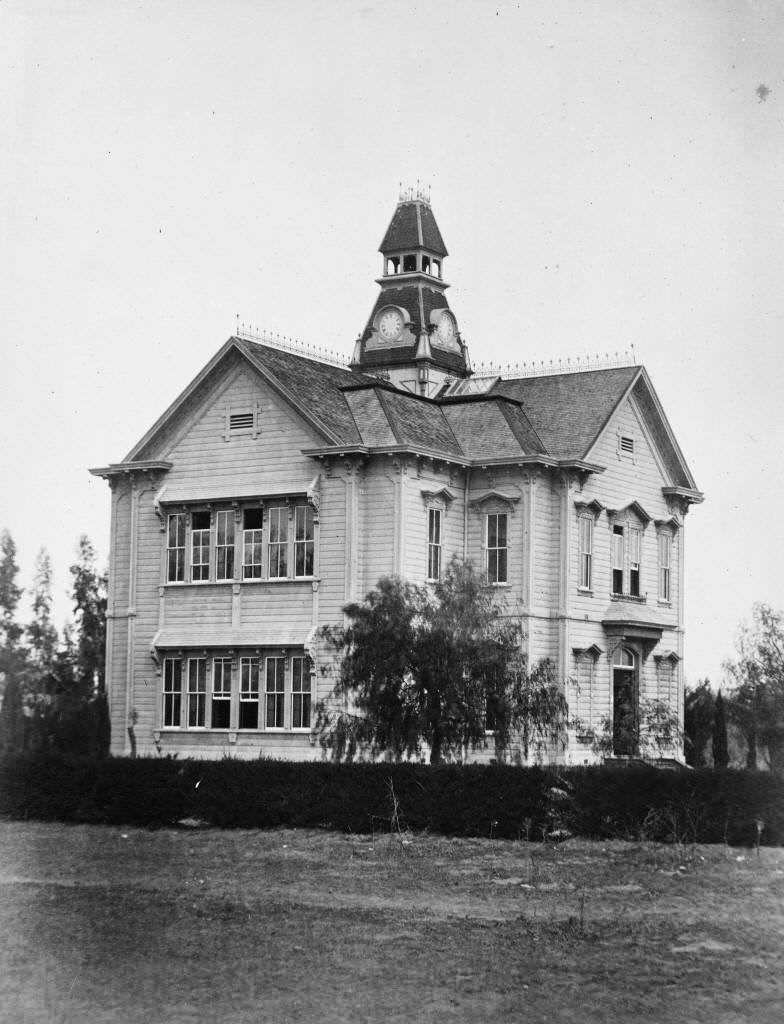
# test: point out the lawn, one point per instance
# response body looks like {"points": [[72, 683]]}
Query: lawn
{"points": [[103, 924]]}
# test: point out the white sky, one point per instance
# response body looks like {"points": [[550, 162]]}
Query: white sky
{"points": [[603, 174]]}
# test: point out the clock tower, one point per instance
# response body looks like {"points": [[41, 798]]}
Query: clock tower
{"points": [[412, 336]]}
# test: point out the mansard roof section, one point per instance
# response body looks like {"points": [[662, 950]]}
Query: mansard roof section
{"points": [[494, 429], [413, 226], [418, 422], [570, 410], [311, 387]]}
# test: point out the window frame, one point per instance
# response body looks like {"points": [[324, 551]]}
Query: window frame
{"points": [[256, 544], [434, 543], [497, 578], [304, 692], [178, 549], [175, 695], [664, 543], [226, 552], [305, 544], [634, 547], [253, 697], [202, 535], [226, 665], [278, 664], [585, 531], [199, 693], [279, 548]]}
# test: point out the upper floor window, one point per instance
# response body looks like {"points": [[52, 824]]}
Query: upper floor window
{"points": [[224, 545], [586, 550], [303, 540], [635, 554], [204, 546], [617, 559], [278, 541], [433, 543], [496, 551], [175, 548], [200, 546], [665, 557], [252, 531]]}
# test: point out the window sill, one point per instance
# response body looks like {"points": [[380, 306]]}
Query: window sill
{"points": [[585, 591], [499, 586], [634, 598], [201, 730], [664, 604], [178, 584]]}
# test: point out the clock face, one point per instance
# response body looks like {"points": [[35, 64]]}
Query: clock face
{"points": [[390, 325], [445, 331]]}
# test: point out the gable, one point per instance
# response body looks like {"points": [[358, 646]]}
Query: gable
{"points": [[640, 415], [206, 451]]}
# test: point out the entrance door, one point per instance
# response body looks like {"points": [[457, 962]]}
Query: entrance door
{"points": [[624, 703]]}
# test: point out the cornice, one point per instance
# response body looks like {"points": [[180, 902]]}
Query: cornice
{"points": [[116, 469]]}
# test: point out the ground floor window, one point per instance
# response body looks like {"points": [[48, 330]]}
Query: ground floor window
{"points": [[249, 692]]}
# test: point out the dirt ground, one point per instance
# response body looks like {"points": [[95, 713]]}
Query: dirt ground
{"points": [[102, 924]]}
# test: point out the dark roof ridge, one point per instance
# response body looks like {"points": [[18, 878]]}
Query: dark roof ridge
{"points": [[390, 418], [515, 427]]}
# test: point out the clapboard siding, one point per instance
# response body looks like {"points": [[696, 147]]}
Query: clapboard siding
{"points": [[379, 497], [290, 604], [546, 544], [204, 456]]}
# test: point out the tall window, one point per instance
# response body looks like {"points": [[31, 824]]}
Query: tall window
{"points": [[249, 693], [617, 560], [224, 545], [635, 554], [200, 546], [278, 542], [497, 547], [275, 692], [665, 553], [433, 544], [584, 703], [252, 519], [303, 540], [221, 693], [197, 692], [586, 551], [175, 548], [172, 693], [300, 694]]}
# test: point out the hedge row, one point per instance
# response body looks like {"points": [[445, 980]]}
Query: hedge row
{"points": [[706, 806]]}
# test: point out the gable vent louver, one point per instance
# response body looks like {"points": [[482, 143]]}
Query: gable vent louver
{"points": [[627, 445], [241, 421]]}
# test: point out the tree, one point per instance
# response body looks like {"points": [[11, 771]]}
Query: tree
{"points": [[652, 729], [10, 593], [89, 598], [757, 684], [438, 668], [721, 755], [698, 712], [41, 632]]}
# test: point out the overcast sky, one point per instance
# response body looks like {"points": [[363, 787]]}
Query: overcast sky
{"points": [[603, 174]]}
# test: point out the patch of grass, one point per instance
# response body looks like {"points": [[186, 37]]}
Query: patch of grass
{"points": [[119, 924]]}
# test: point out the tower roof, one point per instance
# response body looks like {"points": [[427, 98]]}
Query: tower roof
{"points": [[413, 226]]}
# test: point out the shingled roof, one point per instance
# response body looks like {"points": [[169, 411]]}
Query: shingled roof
{"points": [[413, 226], [557, 417], [568, 410]]}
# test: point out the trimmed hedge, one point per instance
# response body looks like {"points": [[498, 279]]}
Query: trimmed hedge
{"points": [[475, 800]]}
